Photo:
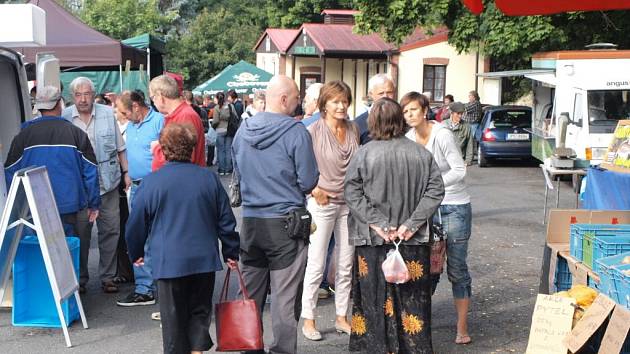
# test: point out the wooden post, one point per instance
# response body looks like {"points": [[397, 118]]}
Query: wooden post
{"points": [[323, 68]]}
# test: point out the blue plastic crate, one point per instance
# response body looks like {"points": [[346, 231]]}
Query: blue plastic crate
{"points": [[583, 238], [606, 246], [621, 282], [603, 267], [575, 245], [33, 302], [563, 276]]}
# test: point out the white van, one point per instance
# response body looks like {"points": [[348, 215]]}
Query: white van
{"points": [[590, 87], [15, 103]]}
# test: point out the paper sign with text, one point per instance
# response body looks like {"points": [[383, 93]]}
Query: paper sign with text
{"points": [[616, 331], [593, 318], [551, 323]]}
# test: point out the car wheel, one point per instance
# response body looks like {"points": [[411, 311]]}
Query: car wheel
{"points": [[482, 161]]}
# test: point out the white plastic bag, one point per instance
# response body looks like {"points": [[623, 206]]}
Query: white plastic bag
{"points": [[394, 267], [211, 137]]}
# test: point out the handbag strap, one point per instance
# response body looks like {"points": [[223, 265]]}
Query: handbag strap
{"points": [[226, 285]]}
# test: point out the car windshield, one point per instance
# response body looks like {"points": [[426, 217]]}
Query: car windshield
{"points": [[606, 107], [512, 118]]}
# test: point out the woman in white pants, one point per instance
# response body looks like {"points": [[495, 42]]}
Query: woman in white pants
{"points": [[335, 140]]}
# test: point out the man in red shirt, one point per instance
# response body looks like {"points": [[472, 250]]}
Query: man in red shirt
{"points": [[164, 93]]}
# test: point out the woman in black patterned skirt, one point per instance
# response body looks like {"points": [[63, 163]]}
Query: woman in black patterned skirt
{"points": [[392, 187]]}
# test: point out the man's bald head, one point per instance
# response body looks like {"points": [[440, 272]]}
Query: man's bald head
{"points": [[282, 95]]}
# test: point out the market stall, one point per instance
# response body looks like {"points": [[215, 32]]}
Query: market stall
{"points": [[587, 255], [243, 77]]}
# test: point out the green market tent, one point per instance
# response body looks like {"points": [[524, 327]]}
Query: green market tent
{"points": [[108, 81], [243, 77], [154, 46], [145, 41]]}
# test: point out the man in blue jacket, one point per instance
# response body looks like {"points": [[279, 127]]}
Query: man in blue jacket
{"points": [[273, 155], [66, 152], [379, 86]]}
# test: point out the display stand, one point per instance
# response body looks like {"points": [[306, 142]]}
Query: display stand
{"points": [[31, 203], [551, 174]]}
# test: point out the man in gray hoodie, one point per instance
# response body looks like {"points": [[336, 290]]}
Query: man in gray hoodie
{"points": [[274, 159]]}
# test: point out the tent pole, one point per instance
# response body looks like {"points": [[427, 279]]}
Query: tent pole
{"points": [[148, 63], [120, 72]]}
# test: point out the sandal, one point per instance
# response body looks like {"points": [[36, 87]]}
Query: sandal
{"points": [[462, 339], [110, 287]]}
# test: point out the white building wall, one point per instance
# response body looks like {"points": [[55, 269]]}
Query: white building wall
{"points": [[460, 71]]}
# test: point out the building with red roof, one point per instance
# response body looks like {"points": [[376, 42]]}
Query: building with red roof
{"points": [[320, 52]]}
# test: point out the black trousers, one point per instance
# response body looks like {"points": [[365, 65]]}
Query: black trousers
{"points": [[186, 309], [124, 268]]}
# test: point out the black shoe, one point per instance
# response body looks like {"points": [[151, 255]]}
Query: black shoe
{"points": [[135, 299]]}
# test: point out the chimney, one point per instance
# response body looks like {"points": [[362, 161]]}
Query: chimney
{"points": [[344, 17]]}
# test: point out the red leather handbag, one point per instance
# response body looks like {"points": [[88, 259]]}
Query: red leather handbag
{"points": [[238, 322]]}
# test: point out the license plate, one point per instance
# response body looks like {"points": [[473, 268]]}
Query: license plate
{"points": [[518, 137]]}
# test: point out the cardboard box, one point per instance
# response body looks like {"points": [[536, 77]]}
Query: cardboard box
{"points": [[560, 220]]}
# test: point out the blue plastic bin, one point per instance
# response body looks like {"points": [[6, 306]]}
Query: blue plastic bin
{"points": [[584, 238], [563, 277], [606, 246], [575, 245], [621, 282], [604, 268], [33, 302]]}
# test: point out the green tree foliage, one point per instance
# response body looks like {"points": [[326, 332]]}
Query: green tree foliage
{"points": [[292, 13], [213, 40], [121, 19], [509, 41]]}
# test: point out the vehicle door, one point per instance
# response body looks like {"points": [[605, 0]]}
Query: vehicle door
{"points": [[577, 129], [15, 104]]}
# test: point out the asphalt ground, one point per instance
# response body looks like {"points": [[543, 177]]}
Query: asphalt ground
{"points": [[504, 258]]}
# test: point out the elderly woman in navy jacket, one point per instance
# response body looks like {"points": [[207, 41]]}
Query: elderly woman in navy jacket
{"points": [[182, 210]]}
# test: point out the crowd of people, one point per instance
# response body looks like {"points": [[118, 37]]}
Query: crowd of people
{"points": [[136, 167]]}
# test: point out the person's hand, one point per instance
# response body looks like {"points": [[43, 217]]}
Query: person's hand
{"points": [[404, 233], [127, 180], [232, 264], [92, 214], [321, 196], [387, 236], [139, 262]]}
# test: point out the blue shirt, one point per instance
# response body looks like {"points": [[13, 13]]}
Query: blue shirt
{"points": [[310, 120], [139, 138]]}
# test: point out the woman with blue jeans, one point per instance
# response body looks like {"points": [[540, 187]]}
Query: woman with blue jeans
{"points": [[220, 120], [455, 209]]}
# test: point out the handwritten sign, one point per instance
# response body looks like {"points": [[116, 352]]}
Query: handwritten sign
{"points": [[593, 318], [551, 323], [616, 332]]}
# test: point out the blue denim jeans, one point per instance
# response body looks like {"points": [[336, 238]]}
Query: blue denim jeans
{"points": [[224, 147], [142, 274], [456, 220]]}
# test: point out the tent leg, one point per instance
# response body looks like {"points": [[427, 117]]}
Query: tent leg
{"points": [[121, 78]]}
